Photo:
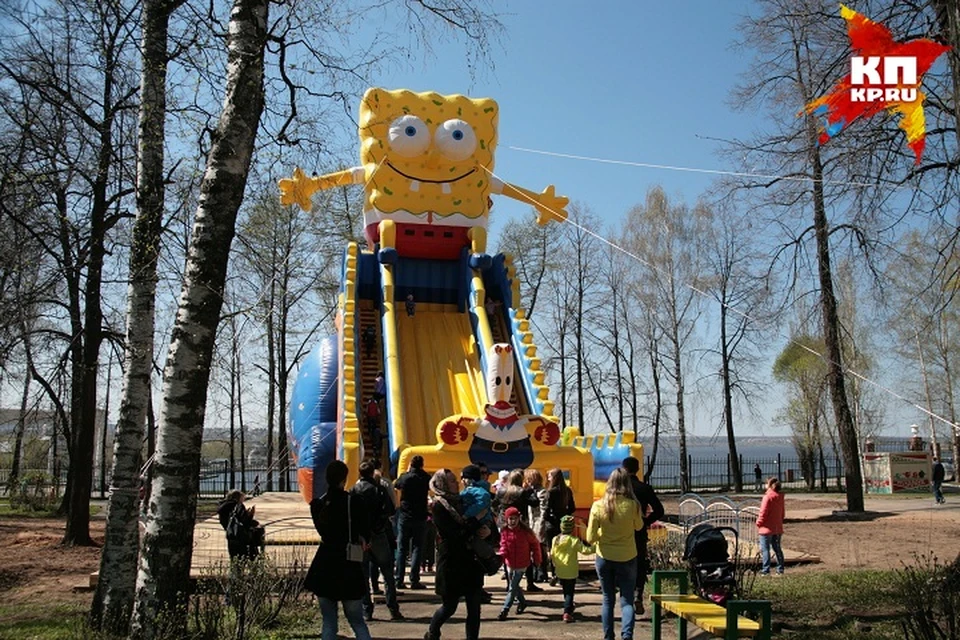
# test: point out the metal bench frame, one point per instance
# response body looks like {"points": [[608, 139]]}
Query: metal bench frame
{"points": [[734, 608]]}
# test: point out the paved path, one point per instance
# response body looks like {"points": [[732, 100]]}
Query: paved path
{"points": [[541, 620]]}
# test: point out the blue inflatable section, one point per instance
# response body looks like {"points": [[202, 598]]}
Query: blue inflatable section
{"points": [[313, 414], [608, 455]]}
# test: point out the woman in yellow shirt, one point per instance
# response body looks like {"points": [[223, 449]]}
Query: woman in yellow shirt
{"points": [[613, 520]]}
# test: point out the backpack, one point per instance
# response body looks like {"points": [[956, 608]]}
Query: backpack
{"points": [[238, 530]]}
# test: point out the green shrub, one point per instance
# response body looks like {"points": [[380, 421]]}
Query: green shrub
{"points": [[246, 598], [667, 554], [930, 592], [34, 491]]}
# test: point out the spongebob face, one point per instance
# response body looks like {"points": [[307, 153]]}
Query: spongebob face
{"points": [[426, 152]]}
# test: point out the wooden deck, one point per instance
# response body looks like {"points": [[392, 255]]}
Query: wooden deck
{"points": [[290, 535]]}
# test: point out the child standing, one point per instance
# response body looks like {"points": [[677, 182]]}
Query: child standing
{"points": [[518, 545], [563, 552]]}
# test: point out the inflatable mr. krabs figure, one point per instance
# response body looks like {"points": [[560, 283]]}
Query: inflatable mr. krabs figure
{"points": [[427, 173], [501, 438]]}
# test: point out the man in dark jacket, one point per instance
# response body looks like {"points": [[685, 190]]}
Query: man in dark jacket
{"points": [[380, 509], [411, 521], [939, 475], [652, 510]]}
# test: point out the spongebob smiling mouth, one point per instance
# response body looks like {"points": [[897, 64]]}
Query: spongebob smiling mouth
{"points": [[415, 181]]}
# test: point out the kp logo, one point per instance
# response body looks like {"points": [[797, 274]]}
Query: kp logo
{"points": [[885, 75]]}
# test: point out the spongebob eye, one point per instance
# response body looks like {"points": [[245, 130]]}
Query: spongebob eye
{"points": [[456, 139], [409, 136]]}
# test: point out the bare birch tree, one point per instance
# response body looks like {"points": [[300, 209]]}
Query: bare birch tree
{"points": [[163, 576], [113, 600], [664, 236], [165, 556]]}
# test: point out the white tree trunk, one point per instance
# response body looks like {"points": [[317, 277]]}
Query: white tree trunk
{"points": [[113, 600], [163, 578]]}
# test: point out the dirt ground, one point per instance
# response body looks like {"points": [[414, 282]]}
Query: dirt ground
{"points": [[895, 530], [35, 567]]}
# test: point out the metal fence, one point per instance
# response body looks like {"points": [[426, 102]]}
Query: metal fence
{"points": [[34, 480], [721, 511], [710, 474], [716, 473], [215, 481]]}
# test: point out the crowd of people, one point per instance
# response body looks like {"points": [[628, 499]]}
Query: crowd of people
{"points": [[463, 529]]}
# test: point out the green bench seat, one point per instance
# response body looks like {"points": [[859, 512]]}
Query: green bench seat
{"points": [[722, 622]]}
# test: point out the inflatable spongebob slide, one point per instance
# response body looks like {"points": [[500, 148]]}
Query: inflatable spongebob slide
{"points": [[429, 325]]}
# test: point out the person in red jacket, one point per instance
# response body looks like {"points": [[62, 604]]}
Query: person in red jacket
{"points": [[770, 526], [518, 544]]}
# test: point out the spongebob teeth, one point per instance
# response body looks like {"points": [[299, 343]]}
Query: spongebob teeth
{"points": [[446, 187], [414, 185]]}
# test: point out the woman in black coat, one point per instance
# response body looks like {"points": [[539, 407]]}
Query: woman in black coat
{"points": [[332, 577], [459, 574], [559, 503], [248, 539]]}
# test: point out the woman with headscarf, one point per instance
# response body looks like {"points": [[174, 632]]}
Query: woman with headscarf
{"points": [[458, 573], [613, 520], [334, 577]]}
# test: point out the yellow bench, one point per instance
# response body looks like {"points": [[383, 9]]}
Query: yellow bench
{"points": [[722, 622]]}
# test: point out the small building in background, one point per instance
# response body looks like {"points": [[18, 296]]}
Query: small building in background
{"points": [[896, 472]]}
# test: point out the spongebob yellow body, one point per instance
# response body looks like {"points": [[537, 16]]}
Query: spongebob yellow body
{"points": [[427, 170]]}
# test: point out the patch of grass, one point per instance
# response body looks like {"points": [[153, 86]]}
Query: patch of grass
{"points": [[834, 605], [300, 620], [206, 508], [7, 510], [41, 621], [40, 514]]}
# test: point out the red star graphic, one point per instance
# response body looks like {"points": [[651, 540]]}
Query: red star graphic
{"points": [[869, 38]]}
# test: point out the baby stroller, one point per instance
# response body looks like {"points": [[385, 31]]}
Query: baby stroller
{"points": [[712, 574]]}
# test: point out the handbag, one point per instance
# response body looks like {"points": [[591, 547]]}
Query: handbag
{"points": [[354, 550], [485, 554]]}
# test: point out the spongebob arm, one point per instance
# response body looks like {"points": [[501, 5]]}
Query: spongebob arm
{"points": [[549, 206], [299, 188]]}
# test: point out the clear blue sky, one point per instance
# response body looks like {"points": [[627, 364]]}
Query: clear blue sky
{"points": [[635, 81]]}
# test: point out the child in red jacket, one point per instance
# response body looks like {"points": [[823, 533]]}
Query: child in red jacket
{"points": [[518, 545]]}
